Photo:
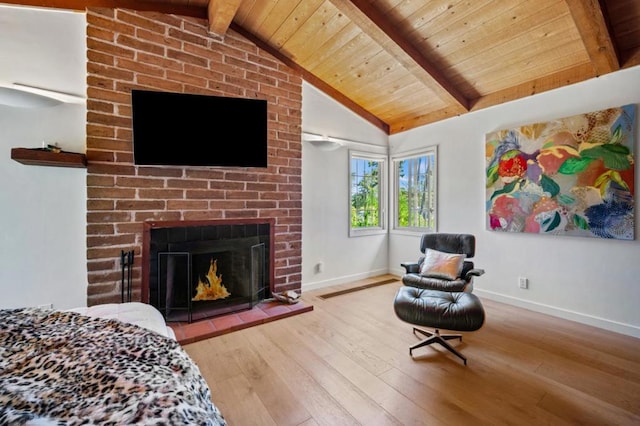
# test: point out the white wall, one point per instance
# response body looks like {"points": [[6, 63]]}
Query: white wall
{"points": [[325, 196], [42, 211], [590, 280]]}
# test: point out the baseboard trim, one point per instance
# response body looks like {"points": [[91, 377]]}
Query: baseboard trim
{"points": [[615, 326], [361, 287], [342, 280]]}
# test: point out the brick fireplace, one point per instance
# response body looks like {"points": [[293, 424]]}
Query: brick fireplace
{"points": [[128, 50], [193, 270]]}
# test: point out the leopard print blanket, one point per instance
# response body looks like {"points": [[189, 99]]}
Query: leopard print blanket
{"points": [[64, 368]]}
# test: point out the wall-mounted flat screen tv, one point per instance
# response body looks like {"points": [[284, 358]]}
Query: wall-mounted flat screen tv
{"points": [[178, 129]]}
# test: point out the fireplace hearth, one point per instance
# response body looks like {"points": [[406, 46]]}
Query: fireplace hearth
{"points": [[194, 270]]}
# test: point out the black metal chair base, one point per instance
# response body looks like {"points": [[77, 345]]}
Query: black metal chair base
{"points": [[436, 337]]}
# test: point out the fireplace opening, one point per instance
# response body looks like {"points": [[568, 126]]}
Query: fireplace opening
{"points": [[197, 270]]}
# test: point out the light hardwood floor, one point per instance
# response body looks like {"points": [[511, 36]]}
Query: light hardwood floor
{"points": [[347, 363]]}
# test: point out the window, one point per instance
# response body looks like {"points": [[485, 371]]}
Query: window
{"points": [[415, 191], [366, 194]]}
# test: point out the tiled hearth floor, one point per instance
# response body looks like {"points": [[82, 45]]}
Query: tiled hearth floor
{"points": [[263, 312]]}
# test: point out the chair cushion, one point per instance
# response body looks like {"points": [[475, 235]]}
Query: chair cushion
{"points": [[438, 264], [457, 311]]}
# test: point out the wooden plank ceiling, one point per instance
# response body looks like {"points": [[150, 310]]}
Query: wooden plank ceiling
{"points": [[401, 64]]}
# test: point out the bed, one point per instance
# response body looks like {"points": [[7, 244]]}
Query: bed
{"points": [[108, 364]]}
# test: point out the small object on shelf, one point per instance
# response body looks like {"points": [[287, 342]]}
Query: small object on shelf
{"points": [[48, 156], [52, 148]]}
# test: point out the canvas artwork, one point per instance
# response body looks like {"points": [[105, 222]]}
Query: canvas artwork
{"points": [[570, 176]]}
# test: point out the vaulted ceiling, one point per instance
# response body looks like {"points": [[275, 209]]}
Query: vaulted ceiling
{"points": [[401, 64]]}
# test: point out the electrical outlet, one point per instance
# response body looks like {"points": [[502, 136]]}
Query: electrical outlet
{"points": [[523, 282]]}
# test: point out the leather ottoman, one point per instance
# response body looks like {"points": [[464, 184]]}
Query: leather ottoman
{"points": [[459, 311]]}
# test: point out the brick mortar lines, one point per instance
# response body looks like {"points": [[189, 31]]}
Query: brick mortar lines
{"points": [[105, 124]]}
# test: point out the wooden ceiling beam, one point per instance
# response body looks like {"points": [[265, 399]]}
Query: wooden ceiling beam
{"points": [[591, 21], [377, 26], [409, 123], [221, 13]]}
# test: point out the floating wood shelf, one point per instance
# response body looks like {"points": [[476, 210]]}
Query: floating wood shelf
{"points": [[41, 157]]}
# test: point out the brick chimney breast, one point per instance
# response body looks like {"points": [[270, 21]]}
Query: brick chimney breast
{"points": [[140, 50]]}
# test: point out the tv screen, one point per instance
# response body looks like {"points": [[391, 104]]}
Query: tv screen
{"points": [[179, 129]]}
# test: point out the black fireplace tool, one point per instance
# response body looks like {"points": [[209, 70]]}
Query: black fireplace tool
{"points": [[126, 261]]}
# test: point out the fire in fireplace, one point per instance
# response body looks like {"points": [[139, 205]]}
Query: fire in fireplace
{"points": [[195, 270], [211, 287]]}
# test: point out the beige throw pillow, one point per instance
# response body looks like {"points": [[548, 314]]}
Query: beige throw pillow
{"points": [[442, 265]]}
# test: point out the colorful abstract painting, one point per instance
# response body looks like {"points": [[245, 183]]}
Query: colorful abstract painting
{"points": [[571, 176]]}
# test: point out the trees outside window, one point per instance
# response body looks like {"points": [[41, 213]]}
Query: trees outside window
{"points": [[415, 192], [366, 194]]}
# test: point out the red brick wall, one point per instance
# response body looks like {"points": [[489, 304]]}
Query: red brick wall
{"points": [[129, 50]]}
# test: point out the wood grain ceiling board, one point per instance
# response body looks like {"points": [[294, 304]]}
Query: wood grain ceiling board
{"points": [[317, 35], [353, 63], [487, 48], [252, 13], [404, 63], [501, 28], [532, 55]]}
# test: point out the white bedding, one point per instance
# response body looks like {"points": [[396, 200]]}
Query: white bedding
{"points": [[136, 313]]}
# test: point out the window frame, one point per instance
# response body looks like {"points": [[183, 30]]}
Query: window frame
{"points": [[382, 160], [395, 161]]}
